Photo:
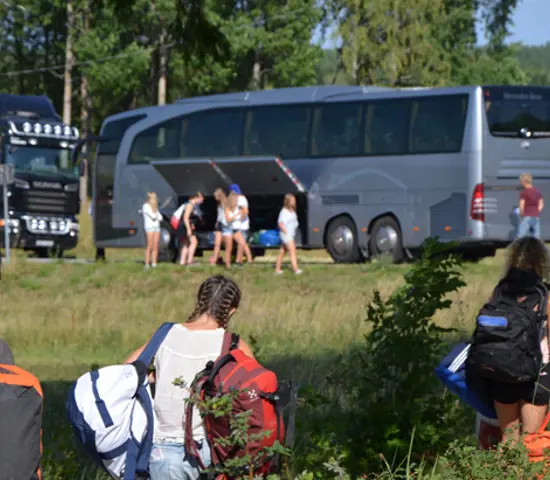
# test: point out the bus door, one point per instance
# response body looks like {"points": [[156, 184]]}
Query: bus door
{"points": [[265, 181], [517, 141]]}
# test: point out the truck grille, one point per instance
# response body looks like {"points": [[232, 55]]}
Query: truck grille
{"points": [[47, 201]]}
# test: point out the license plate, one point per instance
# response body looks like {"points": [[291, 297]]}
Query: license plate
{"points": [[44, 243]]}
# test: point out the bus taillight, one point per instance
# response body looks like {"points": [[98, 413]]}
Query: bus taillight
{"points": [[477, 207]]}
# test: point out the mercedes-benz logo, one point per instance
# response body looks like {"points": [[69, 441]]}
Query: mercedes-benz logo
{"points": [[525, 145]]}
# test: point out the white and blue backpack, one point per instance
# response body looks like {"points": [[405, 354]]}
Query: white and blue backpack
{"points": [[111, 412]]}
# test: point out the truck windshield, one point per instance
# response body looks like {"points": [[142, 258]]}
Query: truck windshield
{"points": [[41, 160], [511, 111]]}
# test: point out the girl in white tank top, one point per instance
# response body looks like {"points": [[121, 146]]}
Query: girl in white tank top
{"points": [[186, 350]]}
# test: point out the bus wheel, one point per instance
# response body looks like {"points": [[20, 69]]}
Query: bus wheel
{"points": [[386, 239], [341, 241], [168, 251]]}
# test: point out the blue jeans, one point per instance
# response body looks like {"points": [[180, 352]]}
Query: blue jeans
{"points": [[168, 461], [529, 227]]}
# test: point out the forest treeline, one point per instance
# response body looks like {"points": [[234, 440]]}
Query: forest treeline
{"points": [[98, 57]]}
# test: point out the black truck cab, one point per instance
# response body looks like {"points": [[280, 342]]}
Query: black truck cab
{"points": [[44, 198]]}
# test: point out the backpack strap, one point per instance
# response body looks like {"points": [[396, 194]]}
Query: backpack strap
{"points": [[139, 450], [151, 348], [230, 342]]}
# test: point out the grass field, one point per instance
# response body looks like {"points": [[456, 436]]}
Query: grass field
{"points": [[61, 319]]}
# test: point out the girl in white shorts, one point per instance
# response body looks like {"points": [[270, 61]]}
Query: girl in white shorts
{"points": [[288, 225], [151, 222]]}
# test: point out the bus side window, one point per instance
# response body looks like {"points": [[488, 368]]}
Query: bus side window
{"points": [[437, 124], [388, 126]]}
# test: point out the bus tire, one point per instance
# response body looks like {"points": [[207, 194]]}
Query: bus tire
{"points": [[341, 241], [386, 238], [168, 251]]}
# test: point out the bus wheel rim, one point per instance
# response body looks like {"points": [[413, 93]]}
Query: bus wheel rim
{"points": [[342, 240], [386, 239]]}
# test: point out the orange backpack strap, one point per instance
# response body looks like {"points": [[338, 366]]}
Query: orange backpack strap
{"points": [[545, 423], [13, 375]]}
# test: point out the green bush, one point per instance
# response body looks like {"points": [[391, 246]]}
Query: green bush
{"points": [[387, 388]]}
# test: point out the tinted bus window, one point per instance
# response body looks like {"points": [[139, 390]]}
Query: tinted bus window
{"points": [[115, 130], [213, 133], [509, 110], [387, 127], [158, 142], [437, 124], [336, 130], [277, 130]]}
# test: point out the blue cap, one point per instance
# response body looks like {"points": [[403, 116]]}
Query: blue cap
{"points": [[235, 188]]}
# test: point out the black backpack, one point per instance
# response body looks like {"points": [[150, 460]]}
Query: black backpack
{"points": [[21, 404], [506, 342]]}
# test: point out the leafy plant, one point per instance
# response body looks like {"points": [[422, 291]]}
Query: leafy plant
{"points": [[507, 460], [387, 387], [246, 464]]}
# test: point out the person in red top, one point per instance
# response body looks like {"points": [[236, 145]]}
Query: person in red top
{"points": [[531, 204]]}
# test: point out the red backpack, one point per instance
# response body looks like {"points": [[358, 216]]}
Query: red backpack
{"points": [[256, 390]]}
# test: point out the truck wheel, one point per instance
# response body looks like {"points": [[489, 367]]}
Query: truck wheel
{"points": [[386, 239], [341, 241], [168, 250], [42, 252], [53, 252]]}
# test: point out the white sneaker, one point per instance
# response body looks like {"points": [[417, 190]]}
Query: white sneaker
{"points": [[146, 267], [298, 272], [280, 272], [154, 265]]}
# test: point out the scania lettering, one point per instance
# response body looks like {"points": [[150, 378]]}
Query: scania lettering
{"points": [[44, 198]]}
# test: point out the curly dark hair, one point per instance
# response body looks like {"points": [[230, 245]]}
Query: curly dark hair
{"points": [[531, 254], [217, 296]]}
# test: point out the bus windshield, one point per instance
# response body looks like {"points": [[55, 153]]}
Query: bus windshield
{"points": [[513, 112], [41, 160]]}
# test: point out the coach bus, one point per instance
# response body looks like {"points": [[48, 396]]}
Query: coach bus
{"points": [[375, 170]]}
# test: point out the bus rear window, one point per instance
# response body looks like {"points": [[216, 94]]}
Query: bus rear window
{"points": [[518, 112]]}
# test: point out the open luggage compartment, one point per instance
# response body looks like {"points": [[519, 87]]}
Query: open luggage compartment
{"points": [[263, 180]]}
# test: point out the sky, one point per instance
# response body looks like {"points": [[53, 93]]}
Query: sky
{"points": [[530, 24]]}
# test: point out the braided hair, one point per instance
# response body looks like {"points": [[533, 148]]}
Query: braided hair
{"points": [[217, 296]]}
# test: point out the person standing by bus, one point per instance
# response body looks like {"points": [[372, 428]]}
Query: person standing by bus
{"points": [[288, 225], [241, 226], [531, 204], [151, 223], [188, 215], [223, 231]]}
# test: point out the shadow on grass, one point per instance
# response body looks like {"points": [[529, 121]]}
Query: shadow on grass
{"points": [[64, 459]]}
